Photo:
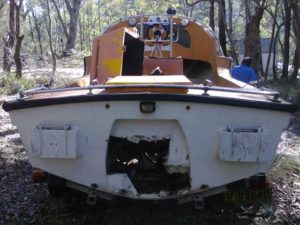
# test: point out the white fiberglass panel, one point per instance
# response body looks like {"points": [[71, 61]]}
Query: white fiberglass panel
{"points": [[199, 123]]}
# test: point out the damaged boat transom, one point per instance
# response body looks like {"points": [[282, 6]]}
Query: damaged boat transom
{"points": [[145, 163]]}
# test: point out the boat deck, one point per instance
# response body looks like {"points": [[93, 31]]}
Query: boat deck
{"points": [[253, 98]]}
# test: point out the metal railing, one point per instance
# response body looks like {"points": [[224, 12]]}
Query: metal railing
{"points": [[205, 89]]}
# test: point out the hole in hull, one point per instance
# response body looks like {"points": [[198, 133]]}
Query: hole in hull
{"points": [[144, 162]]}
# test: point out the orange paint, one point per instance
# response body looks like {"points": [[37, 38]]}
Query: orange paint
{"points": [[108, 50]]}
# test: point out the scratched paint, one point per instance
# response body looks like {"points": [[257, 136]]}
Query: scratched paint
{"points": [[244, 146], [110, 58]]}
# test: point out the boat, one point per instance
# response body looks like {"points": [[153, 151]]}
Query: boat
{"points": [[156, 117]]}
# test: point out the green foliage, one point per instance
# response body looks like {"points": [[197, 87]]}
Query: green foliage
{"points": [[287, 90], [97, 15], [10, 85], [286, 164]]}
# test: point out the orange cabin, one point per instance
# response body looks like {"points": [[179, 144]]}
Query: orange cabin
{"points": [[159, 45]]}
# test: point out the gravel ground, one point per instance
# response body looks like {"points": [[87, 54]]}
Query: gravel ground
{"points": [[22, 202]]}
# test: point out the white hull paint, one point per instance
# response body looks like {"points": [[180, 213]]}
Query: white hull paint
{"points": [[196, 132]]}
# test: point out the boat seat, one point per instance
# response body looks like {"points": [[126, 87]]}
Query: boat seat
{"points": [[165, 79]]}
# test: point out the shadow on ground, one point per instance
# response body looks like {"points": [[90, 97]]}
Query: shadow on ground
{"points": [[74, 210]]}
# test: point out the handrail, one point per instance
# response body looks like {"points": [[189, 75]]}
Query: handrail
{"points": [[273, 94], [171, 36]]}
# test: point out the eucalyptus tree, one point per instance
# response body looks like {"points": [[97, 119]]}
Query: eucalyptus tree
{"points": [[32, 33], [222, 25], [254, 11], [287, 33], [295, 5], [9, 40], [19, 38], [73, 7], [2, 4], [272, 46], [14, 39], [225, 32], [48, 22], [212, 15], [37, 26], [221, 18]]}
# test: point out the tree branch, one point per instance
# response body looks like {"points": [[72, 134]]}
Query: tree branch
{"points": [[2, 4], [60, 19], [68, 5], [196, 2], [17, 5]]}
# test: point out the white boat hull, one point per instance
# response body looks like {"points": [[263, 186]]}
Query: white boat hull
{"points": [[197, 133]]}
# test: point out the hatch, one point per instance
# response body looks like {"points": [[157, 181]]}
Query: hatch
{"points": [[154, 160]]}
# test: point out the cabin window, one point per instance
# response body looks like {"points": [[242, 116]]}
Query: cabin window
{"points": [[184, 37]]}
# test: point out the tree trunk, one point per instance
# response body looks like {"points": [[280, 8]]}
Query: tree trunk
{"points": [[286, 45], [230, 15], [90, 25], [191, 11], [232, 47], [63, 24], [56, 37], [274, 16], [296, 28], [19, 39], [81, 34], [37, 29], [32, 34], [2, 4], [212, 15], [53, 54], [74, 15], [229, 32], [17, 56], [73, 11], [85, 38], [252, 35], [98, 12], [275, 50], [10, 40], [247, 10], [222, 28], [296, 62]]}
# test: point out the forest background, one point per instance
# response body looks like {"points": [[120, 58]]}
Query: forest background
{"points": [[40, 37], [48, 30]]}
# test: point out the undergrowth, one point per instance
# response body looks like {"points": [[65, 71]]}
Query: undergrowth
{"points": [[287, 89], [286, 165], [10, 85]]}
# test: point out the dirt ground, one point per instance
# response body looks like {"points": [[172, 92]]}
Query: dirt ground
{"points": [[23, 202]]}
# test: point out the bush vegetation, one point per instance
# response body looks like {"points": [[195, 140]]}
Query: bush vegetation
{"points": [[288, 90], [10, 85]]}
